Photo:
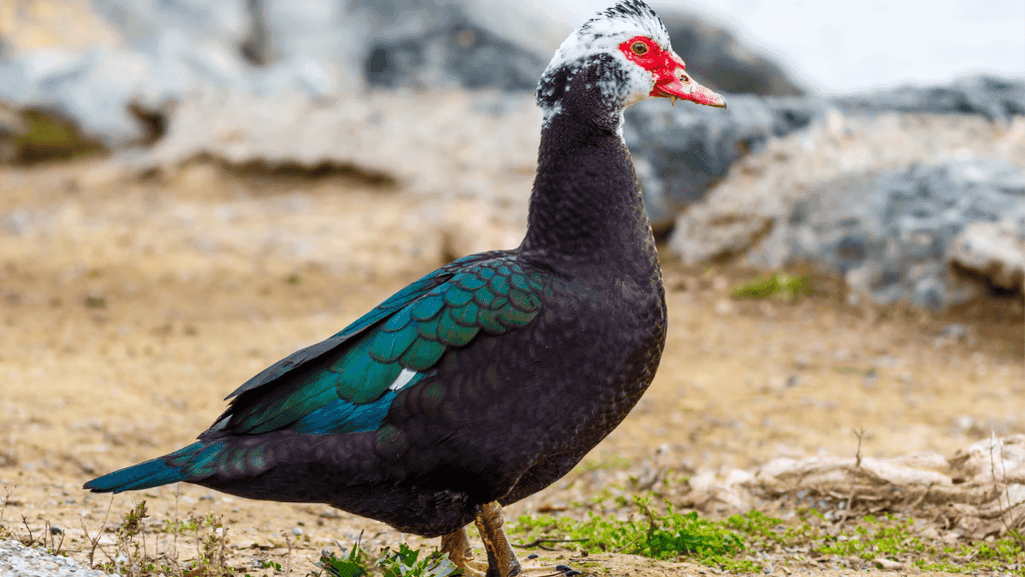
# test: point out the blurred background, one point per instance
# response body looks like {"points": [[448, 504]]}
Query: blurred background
{"points": [[855, 46], [191, 190], [435, 97]]}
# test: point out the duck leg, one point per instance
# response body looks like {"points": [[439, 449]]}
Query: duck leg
{"points": [[502, 561], [457, 545]]}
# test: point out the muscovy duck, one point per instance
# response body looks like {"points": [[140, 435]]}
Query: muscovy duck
{"points": [[490, 378]]}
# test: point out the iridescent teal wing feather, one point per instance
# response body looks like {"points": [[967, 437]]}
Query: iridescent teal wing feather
{"points": [[395, 302], [347, 383]]}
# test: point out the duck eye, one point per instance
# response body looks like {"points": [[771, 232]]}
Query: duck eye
{"points": [[639, 48]]}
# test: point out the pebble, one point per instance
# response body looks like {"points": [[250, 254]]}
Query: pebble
{"points": [[330, 513]]}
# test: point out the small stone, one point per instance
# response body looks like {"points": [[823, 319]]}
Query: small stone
{"points": [[330, 513], [955, 331], [889, 565], [965, 422]]}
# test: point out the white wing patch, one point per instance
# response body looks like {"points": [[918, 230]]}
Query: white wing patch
{"points": [[402, 380]]}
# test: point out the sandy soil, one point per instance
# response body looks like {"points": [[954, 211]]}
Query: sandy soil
{"points": [[128, 310]]}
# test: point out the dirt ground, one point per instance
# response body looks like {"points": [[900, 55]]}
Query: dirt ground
{"points": [[128, 310]]}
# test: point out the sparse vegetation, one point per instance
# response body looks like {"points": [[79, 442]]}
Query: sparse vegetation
{"points": [[42, 135], [753, 542], [5, 533], [885, 543], [628, 523], [606, 462], [402, 563], [780, 285], [133, 558], [665, 536]]}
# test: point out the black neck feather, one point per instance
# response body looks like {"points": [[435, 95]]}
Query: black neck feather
{"points": [[586, 203]]}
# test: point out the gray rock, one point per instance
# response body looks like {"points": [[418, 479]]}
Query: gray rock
{"points": [[894, 236], [170, 53], [92, 91], [995, 98], [451, 47], [682, 151], [995, 251], [12, 128], [717, 56], [253, 43], [450, 143]]}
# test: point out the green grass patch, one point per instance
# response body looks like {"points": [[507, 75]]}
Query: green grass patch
{"points": [[48, 136], [667, 535], [746, 543], [405, 562], [778, 285], [873, 539], [607, 462]]}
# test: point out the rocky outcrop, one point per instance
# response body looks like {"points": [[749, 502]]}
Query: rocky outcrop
{"points": [[890, 235], [994, 98], [893, 204], [166, 54], [682, 151], [994, 251]]}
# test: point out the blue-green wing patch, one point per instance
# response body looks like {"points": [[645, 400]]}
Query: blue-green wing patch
{"points": [[350, 389]]}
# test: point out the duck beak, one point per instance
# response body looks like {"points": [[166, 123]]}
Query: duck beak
{"points": [[672, 81]]}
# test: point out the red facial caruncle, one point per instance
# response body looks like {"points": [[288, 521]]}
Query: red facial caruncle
{"points": [[668, 71]]}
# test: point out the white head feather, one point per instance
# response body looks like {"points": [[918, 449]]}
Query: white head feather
{"points": [[602, 35]]}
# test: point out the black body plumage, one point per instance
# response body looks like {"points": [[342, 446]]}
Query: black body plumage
{"points": [[507, 415]]}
